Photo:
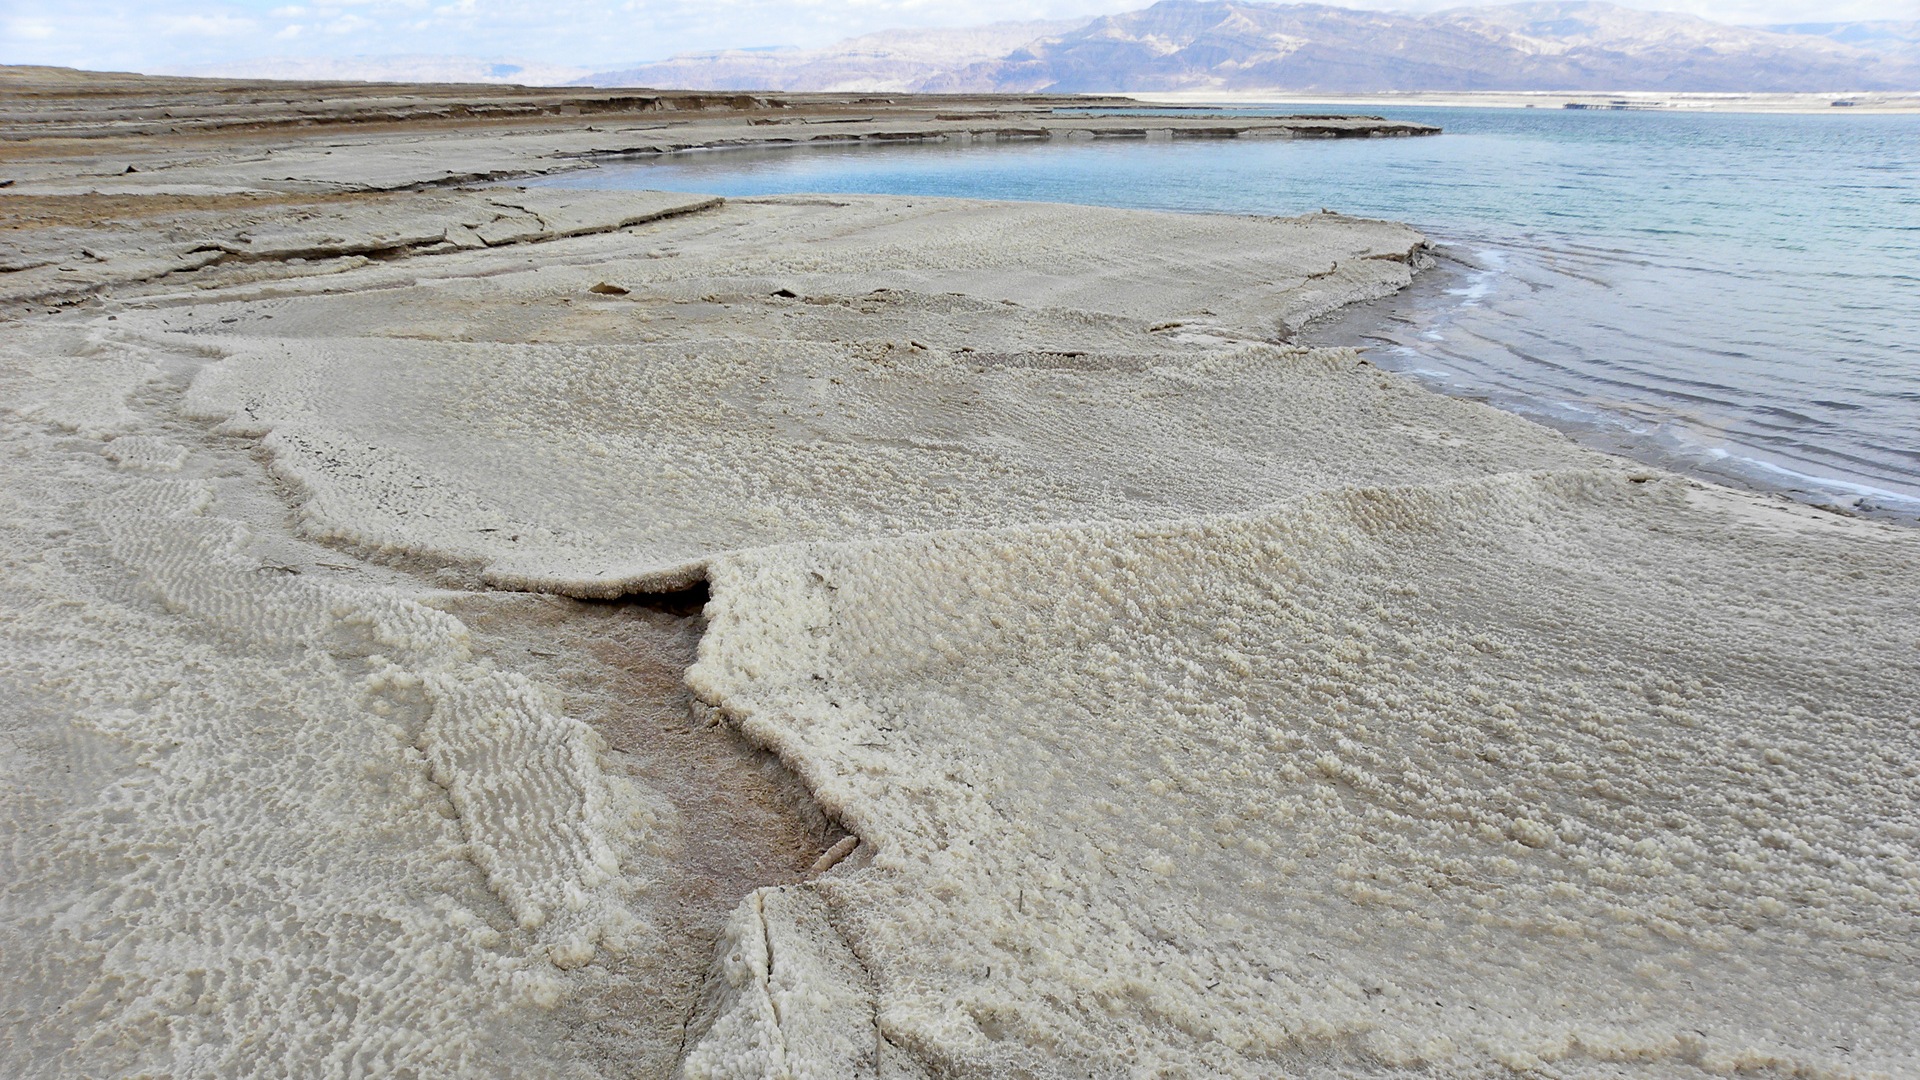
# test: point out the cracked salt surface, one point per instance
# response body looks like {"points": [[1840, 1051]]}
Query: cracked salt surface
{"points": [[1517, 772], [1200, 705]]}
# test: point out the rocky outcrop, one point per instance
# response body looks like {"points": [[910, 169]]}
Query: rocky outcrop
{"points": [[302, 240]]}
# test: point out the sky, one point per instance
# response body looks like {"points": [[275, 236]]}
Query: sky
{"points": [[178, 35]]}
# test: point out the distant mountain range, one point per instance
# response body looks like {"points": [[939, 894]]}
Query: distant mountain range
{"points": [[892, 60], [1222, 45]]}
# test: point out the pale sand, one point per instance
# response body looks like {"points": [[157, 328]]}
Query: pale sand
{"points": [[1154, 698]]}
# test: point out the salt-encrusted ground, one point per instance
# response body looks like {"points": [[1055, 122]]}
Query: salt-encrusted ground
{"points": [[1570, 771], [1153, 698]]}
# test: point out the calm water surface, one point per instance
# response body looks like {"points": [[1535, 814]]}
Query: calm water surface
{"points": [[1727, 294]]}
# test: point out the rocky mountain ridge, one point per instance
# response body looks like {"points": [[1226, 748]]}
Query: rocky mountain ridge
{"points": [[1229, 46]]}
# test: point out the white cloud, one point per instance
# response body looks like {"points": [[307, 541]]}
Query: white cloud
{"points": [[349, 24], [30, 29], [216, 25], [289, 33]]}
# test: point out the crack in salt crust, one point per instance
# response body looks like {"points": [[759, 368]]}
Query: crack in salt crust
{"points": [[541, 819], [1518, 772], [1201, 705]]}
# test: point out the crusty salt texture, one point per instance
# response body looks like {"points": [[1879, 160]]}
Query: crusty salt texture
{"points": [[1528, 772], [1201, 705], [807, 371], [596, 470], [260, 823]]}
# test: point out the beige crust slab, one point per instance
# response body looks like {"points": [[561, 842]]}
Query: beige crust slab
{"points": [[1511, 774]]}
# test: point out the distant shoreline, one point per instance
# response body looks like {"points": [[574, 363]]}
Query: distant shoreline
{"points": [[1863, 102]]}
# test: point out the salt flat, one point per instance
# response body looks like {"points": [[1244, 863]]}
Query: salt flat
{"points": [[490, 632]]}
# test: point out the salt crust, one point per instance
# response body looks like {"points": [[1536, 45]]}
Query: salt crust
{"points": [[350, 846], [596, 471], [1594, 765], [288, 827], [77, 378], [146, 453], [540, 818], [315, 239], [786, 998], [1563, 772], [742, 395], [597, 467]]}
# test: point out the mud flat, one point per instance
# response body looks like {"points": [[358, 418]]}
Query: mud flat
{"points": [[489, 632]]}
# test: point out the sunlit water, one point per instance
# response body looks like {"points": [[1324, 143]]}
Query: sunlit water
{"points": [[1727, 294]]}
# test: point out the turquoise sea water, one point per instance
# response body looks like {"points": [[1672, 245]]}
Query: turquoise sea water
{"points": [[1734, 295]]}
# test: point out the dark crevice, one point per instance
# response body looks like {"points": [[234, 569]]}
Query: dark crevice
{"points": [[684, 602], [744, 821]]}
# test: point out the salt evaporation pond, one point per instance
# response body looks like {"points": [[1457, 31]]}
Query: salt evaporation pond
{"points": [[1727, 294]]}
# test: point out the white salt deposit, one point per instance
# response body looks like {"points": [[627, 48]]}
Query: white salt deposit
{"points": [[260, 824], [775, 409], [596, 470], [147, 453], [1200, 705], [1520, 772], [786, 996], [540, 819]]}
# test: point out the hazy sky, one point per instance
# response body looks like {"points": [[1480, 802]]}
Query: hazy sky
{"points": [[159, 34]]}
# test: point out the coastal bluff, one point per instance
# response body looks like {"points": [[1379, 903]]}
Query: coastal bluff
{"points": [[453, 628]]}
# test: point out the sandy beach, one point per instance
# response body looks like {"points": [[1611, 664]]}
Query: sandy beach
{"points": [[456, 629]]}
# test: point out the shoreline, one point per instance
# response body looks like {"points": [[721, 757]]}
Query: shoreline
{"points": [[600, 632], [1861, 103], [1626, 434], [1752, 474]]}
